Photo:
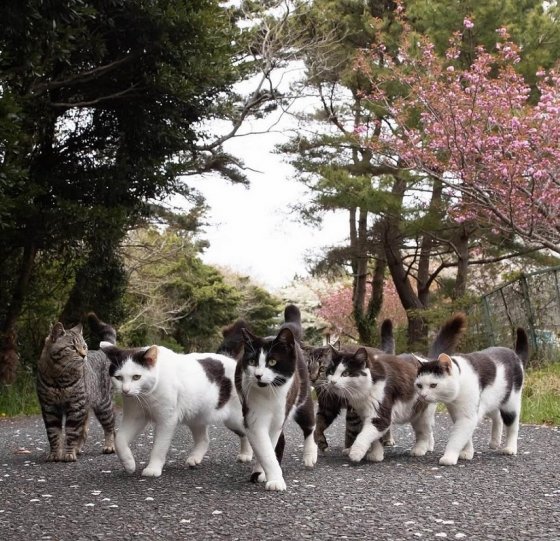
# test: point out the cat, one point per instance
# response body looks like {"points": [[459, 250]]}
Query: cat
{"points": [[70, 381], [273, 383], [381, 389], [474, 385], [168, 388], [330, 405]]}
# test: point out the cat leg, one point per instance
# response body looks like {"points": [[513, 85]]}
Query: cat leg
{"points": [[132, 424], [305, 418], [388, 440], [510, 412], [76, 417], [376, 451], [201, 441], [497, 428], [329, 406], [83, 436], [106, 417], [165, 429], [370, 432], [461, 434], [354, 426], [245, 450], [422, 425], [264, 449], [52, 417], [467, 452]]}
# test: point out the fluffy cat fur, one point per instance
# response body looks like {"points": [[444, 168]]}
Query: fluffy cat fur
{"points": [[273, 384], [168, 388], [474, 385], [70, 381]]}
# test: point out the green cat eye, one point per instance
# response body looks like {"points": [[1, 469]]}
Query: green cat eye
{"points": [[345, 373], [252, 362], [271, 362], [136, 377]]}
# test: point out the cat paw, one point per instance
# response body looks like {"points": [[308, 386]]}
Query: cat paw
{"points": [[258, 477], [69, 456], [509, 451], [279, 485], [419, 450], [151, 471], [346, 451], [310, 458], [494, 444], [467, 455], [194, 460], [355, 455], [244, 457], [54, 457], [388, 442], [446, 460], [321, 442], [375, 456], [108, 449]]}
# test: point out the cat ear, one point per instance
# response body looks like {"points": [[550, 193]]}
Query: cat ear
{"points": [[361, 356], [150, 356], [57, 331], [286, 335], [248, 336], [336, 345], [78, 328], [419, 360], [445, 362]]}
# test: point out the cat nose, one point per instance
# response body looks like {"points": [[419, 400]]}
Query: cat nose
{"points": [[258, 376]]}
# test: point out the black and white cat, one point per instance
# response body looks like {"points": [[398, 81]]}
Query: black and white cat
{"points": [[475, 385], [167, 388], [273, 384]]}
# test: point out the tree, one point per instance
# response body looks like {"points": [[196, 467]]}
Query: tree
{"points": [[481, 137]]}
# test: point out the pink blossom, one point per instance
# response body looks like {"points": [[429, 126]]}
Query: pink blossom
{"points": [[467, 23]]}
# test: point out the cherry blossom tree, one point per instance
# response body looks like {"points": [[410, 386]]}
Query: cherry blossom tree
{"points": [[481, 130]]}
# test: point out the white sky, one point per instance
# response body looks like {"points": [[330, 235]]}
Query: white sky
{"points": [[254, 231]]}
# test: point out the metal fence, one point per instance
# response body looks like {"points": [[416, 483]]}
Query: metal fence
{"points": [[532, 301]]}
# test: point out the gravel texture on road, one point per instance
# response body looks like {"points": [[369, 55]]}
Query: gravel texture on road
{"points": [[491, 497]]}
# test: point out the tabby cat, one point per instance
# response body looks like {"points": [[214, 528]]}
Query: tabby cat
{"points": [[168, 388], [474, 385], [273, 383], [70, 381]]}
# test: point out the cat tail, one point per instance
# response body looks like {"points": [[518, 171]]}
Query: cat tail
{"points": [[233, 343], [522, 346], [292, 319], [448, 336], [106, 332], [387, 338]]}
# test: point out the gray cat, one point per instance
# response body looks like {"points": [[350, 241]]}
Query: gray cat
{"points": [[70, 382]]}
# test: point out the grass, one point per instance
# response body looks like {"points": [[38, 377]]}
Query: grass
{"points": [[541, 396]]}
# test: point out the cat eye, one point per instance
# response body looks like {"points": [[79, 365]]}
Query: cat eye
{"points": [[252, 362], [345, 373], [136, 377], [271, 362], [433, 385], [119, 378], [419, 385]]}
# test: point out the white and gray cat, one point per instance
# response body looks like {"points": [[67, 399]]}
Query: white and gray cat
{"points": [[475, 385], [167, 388], [273, 383]]}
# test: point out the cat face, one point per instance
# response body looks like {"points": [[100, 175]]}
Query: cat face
{"points": [[436, 381], [269, 362], [348, 373], [317, 361], [133, 372], [65, 345]]}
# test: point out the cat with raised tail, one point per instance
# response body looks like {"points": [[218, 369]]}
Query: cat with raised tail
{"points": [[273, 384], [168, 388], [381, 389], [474, 385]]}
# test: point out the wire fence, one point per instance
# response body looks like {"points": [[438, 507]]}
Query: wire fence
{"points": [[532, 301]]}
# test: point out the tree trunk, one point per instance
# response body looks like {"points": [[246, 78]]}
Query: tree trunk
{"points": [[462, 245], [9, 358]]}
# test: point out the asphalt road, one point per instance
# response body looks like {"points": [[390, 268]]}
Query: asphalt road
{"points": [[492, 497]]}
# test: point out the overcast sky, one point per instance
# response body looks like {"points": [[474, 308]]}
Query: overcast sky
{"points": [[254, 231]]}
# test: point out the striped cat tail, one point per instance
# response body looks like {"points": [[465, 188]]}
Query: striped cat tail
{"points": [[387, 338], [448, 336], [106, 332], [522, 345]]}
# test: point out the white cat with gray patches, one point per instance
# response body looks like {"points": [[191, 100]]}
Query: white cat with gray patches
{"points": [[475, 385], [167, 388]]}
